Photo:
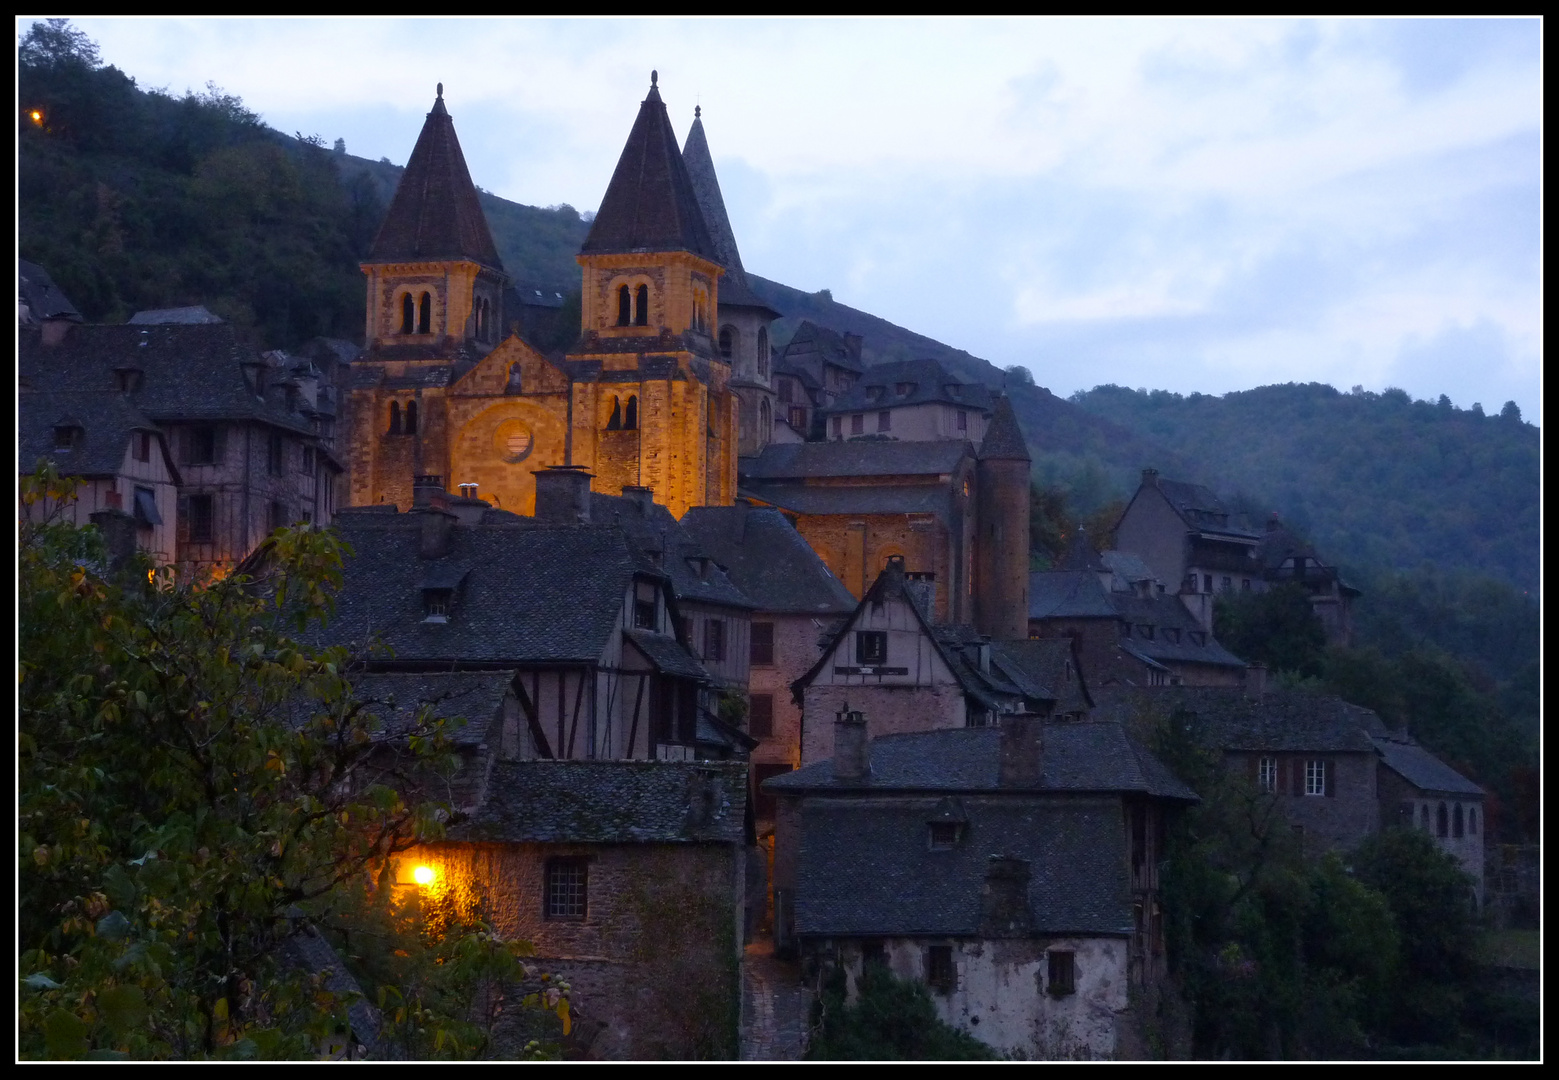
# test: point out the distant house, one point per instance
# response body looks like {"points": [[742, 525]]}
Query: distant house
{"points": [[1011, 869], [39, 302], [913, 400], [1285, 558], [1419, 791], [815, 367]]}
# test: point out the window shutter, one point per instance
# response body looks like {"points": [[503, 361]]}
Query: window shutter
{"points": [[182, 527], [1330, 777], [219, 445], [1299, 776]]}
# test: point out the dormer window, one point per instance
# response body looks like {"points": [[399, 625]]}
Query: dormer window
{"points": [[1145, 630], [727, 342], [874, 393], [955, 391], [66, 436], [128, 379], [435, 605], [904, 389], [944, 835], [644, 614], [1198, 637]]}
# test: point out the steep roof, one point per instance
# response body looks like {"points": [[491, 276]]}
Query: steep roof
{"points": [[801, 461], [910, 382], [44, 300], [1177, 638], [106, 421], [734, 290], [829, 345], [767, 559], [1068, 594], [398, 698], [435, 213], [1198, 506], [1003, 438], [1230, 719], [649, 204], [610, 802], [665, 547], [1044, 667], [1420, 768]]}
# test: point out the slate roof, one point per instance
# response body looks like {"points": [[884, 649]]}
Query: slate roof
{"points": [[1422, 769], [1068, 594], [1003, 438], [1079, 756], [1227, 718], [1129, 568], [1177, 636], [767, 559], [649, 204], [306, 950], [398, 698], [44, 300], [927, 381], [1200, 509], [802, 461], [734, 290], [828, 345], [189, 372], [666, 547], [196, 315], [1080, 554], [881, 499], [865, 870], [435, 212], [528, 594], [106, 420], [610, 802], [667, 654], [1039, 667]]}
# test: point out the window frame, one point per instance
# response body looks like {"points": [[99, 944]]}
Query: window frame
{"points": [[941, 969], [858, 424], [942, 835], [276, 455], [1315, 776], [871, 648], [206, 535], [885, 420], [1267, 774], [555, 868], [765, 729], [714, 639], [1060, 972], [760, 645], [644, 612]]}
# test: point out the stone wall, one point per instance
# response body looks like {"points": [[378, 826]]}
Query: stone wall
{"points": [[889, 710], [1337, 821]]}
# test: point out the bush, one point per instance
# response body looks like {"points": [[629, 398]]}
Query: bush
{"points": [[892, 1020]]}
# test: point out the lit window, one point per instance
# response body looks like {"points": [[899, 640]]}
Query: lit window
{"points": [[1315, 778], [1267, 774], [567, 881]]}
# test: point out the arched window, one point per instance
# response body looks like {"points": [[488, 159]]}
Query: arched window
{"points": [[1457, 822], [408, 314], [425, 316], [1440, 821], [631, 414], [395, 413], [479, 310], [615, 421], [411, 418], [763, 352], [641, 314], [1472, 821], [727, 342], [624, 307], [1423, 818]]}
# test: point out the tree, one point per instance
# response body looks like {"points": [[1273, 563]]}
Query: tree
{"points": [[1277, 627], [892, 1020], [195, 787], [1019, 375], [56, 43]]}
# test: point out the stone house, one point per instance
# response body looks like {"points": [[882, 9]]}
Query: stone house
{"points": [[1419, 791], [912, 400], [129, 482], [1013, 870], [815, 367], [1286, 558], [244, 435]]}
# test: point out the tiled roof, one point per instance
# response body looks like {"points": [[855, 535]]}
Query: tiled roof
{"points": [[734, 290], [189, 372], [1230, 719], [799, 461], [667, 654], [923, 382], [1202, 510], [811, 339], [767, 559], [1129, 568], [865, 870], [435, 213], [1080, 756], [883, 499], [1177, 636], [106, 421], [610, 802], [1003, 438], [1044, 667], [666, 548], [649, 204], [179, 316], [1068, 594], [1420, 768], [306, 950], [44, 300], [397, 699]]}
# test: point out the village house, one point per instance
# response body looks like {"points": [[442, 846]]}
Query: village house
{"points": [[815, 367], [1011, 869], [915, 400]]}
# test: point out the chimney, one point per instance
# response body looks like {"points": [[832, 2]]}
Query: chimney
{"points": [[1149, 477], [1256, 681], [1022, 761], [118, 531], [426, 491], [851, 746], [563, 495], [642, 497], [920, 585], [1004, 901], [438, 526]]}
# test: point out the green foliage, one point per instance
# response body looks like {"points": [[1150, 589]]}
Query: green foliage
{"points": [[195, 786], [1054, 521], [892, 1020], [1277, 628]]}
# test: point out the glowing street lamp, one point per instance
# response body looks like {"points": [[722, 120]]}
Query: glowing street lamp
{"points": [[423, 875]]}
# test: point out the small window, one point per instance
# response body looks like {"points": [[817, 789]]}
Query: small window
{"points": [[615, 421], [425, 316], [276, 455], [129, 379], [944, 835], [278, 515], [885, 420], [146, 514], [624, 306], [1315, 778], [1472, 821], [411, 418], [858, 424], [871, 647], [1228, 584], [644, 614], [963, 420], [395, 415], [631, 413], [874, 393], [408, 314], [941, 976], [1171, 635], [567, 885], [873, 951], [143, 446], [1062, 976], [798, 417], [714, 639], [763, 354], [308, 461], [1458, 823], [760, 716], [904, 389], [201, 519], [65, 436], [641, 314], [1442, 821], [202, 446], [1145, 631], [1423, 818], [1207, 582], [1267, 774], [1198, 637], [762, 649], [727, 340], [838, 427], [435, 605]]}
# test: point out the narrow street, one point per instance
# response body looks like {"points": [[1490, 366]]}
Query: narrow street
{"points": [[774, 1007]]}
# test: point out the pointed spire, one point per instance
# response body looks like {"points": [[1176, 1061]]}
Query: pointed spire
{"points": [[734, 290], [649, 205], [1003, 438], [435, 213]]}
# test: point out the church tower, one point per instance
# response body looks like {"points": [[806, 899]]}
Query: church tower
{"points": [[1001, 543], [435, 289], [651, 401], [742, 325]]}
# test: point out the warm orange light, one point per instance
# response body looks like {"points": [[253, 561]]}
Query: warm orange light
{"points": [[423, 875], [37, 117]]}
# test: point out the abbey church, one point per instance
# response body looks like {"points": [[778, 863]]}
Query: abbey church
{"points": [[672, 387]]}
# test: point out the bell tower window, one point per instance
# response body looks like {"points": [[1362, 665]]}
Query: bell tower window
{"points": [[631, 414], [408, 313], [727, 342], [641, 314], [395, 409], [615, 421], [425, 315], [624, 307], [411, 418]]}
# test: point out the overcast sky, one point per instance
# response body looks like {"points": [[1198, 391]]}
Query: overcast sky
{"points": [[1188, 205]]}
